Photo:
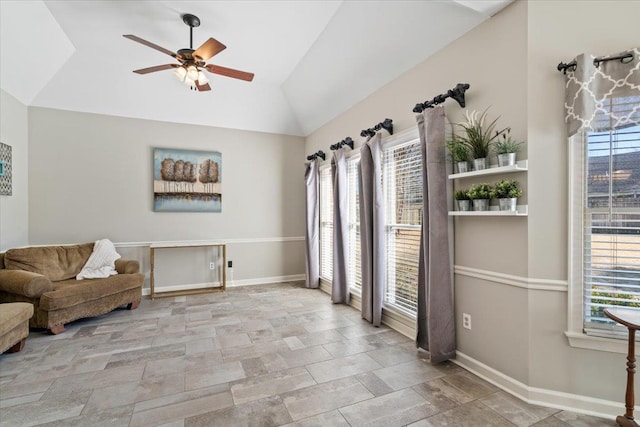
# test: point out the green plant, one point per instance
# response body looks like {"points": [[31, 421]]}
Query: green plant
{"points": [[476, 136], [480, 191], [462, 195], [505, 144], [506, 189], [458, 150]]}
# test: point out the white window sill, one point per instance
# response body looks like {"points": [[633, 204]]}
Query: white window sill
{"points": [[582, 340]]}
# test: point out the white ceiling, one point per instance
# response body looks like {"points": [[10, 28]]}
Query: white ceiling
{"points": [[312, 59]]}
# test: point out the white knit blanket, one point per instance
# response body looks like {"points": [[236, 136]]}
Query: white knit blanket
{"points": [[101, 262]]}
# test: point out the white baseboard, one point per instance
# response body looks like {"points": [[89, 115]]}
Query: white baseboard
{"points": [[266, 280], [230, 284], [539, 396]]}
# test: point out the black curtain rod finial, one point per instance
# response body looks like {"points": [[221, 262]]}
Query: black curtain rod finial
{"points": [[315, 155], [387, 125]]}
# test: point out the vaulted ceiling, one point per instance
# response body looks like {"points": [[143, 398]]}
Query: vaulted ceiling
{"points": [[312, 59]]}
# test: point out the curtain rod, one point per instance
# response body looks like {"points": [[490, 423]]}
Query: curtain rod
{"points": [[387, 125], [314, 156], [571, 66], [347, 141], [456, 93]]}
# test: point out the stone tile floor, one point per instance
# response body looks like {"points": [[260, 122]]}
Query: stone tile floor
{"points": [[255, 356]]}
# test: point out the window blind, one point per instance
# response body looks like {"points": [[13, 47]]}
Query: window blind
{"points": [[326, 225], [354, 276], [611, 218], [402, 187]]}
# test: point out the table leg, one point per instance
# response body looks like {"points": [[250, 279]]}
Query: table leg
{"points": [[627, 420]]}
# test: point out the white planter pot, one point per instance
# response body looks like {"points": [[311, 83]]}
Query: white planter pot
{"points": [[463, 167], [464, 205], [507, 159], [480, 164], [480, 204], [508, 204]]}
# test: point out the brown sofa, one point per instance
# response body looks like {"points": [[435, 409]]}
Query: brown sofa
{"points": [[45, 276]]}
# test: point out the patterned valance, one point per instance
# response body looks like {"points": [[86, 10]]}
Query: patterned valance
{"points": [[603, 97]]}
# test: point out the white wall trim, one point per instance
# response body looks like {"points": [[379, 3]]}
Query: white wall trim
{"points": [[529, 283], [204, 242], [266, 280], [590, 342], [539, 396], [234, 284]]}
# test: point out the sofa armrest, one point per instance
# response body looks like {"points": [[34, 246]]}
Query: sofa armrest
{"points": [[127, 266], [24, 283]]}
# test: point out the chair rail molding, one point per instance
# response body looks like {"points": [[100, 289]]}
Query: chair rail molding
{"points": [[524, 282]]}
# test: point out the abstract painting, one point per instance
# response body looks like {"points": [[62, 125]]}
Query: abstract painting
{"points": [[187, 180], [5, 169]]}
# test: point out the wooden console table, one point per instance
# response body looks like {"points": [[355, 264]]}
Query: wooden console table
{"points": [[631, 319], [155, 246]]}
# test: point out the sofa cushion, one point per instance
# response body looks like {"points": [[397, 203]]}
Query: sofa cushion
{"points": [[25, 283], [55, 262], [68, 293]]}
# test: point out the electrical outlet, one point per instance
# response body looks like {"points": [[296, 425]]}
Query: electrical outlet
{"points": [[212, 266], [466, 321]]}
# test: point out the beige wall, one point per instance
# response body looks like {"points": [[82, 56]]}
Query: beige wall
{"points": [[510, 62], [492, 59], [91, 177], [14, 225], [558, 31]]}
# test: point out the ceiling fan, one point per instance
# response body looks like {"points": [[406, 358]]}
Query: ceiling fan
{"points": [[191, 62]]}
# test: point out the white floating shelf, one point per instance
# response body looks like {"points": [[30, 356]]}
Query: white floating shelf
{"points": [[521, 210], [521, 166]]}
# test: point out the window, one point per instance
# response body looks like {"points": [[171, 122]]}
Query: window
{"points": [[402, 186], [354, 275], [326, 224], [610, 200]]}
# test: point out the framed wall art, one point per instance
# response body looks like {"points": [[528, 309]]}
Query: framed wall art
{"points": [[187, 180], [5, 169]]}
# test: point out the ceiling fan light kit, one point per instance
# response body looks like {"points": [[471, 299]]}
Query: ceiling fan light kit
{"points": [[191, 61]]}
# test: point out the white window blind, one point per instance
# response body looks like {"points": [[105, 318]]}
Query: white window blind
{"points": [[326, 224], [611, 220], [402, 186], [354, 275]]}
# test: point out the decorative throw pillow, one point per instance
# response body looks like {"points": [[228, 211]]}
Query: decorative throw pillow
{"points": [[101, 262]]}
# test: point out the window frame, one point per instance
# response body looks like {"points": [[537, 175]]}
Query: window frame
{"points": [[616, 341], [322, 170], [403, 138]]}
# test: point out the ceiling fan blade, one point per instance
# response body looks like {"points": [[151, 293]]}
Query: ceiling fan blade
{"points": [[208, 49], [149, 44], [203, 87], [156, 68], [229, 72]]}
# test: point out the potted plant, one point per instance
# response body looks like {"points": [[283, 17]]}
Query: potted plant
{"points": [[506, 149], [462, 197], [477, 137], [507, 192], [459, 153], [480, 195]]}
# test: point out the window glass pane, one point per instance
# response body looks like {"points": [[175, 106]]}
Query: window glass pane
{"points": [[326, 225], [354, 274], [611, 224], [402, 182]]}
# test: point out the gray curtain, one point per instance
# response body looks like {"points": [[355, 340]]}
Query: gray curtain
{"points": [[312, 241], [340, 286], [372, 238], [593, 94], [435, 321]]}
